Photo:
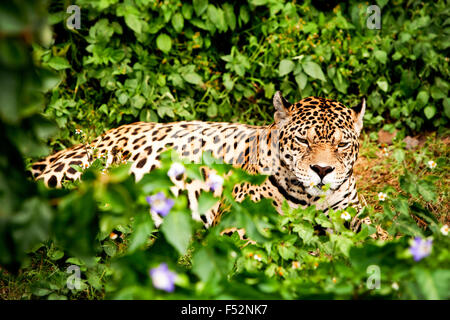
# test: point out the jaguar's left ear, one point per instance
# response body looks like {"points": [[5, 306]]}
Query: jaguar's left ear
{"points": [[358, 115], [281, 106]]}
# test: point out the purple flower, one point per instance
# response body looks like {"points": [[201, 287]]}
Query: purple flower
{"points": [[160, 204], [420, 248], [163, 278], [176, 170], [215, 181]]}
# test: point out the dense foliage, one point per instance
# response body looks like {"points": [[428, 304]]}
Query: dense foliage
{"points": [[173, 60]]}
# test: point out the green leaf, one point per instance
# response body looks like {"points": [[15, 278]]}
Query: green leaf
{"points": [[323, 220], [427, 190], [217, 17], [200, 6], [94, 280], [177, 230], [258, 2], [302, 80], [422, 98], [193, 78], [383, 85], [142, 229], [397, 56], [154, 181], [31, 223], [205, 202], [164, 43], [401, 206], [55, 296], [207, 264], [40, 292], [194, 172], [313, 70], [137, 101], [110, 248], [186, 10], [437, 93], [433, 285], [399, 155], [286, 67], [286, 251], [59, 63], [446, 104], [342, 243], [305, 232], [178, 22], [430, 111], [243, 14], [56, 255], [75, 261], [366, 231], [123, 98], [340, 82], [269, 90], [408, 184], [211, 112], [228, 82], [133, 22], [380, 56], [230, 17]]}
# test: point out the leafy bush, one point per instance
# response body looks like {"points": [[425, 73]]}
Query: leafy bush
{"points": [[175, 60], [103, 226], [22, 128], [220, 61]]}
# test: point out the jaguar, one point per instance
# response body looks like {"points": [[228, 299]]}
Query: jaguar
{"points": [[311, 144]]}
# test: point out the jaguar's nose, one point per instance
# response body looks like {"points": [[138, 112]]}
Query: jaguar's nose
{"points": [[322, 171]]}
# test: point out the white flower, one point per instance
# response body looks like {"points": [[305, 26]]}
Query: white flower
{"points": [[395, 286], [346, 216], [432, 164], [444, 230], [78, 131], [215, 181], [382, 196], [176, 170], [295, 264], [385, 152], [257, 257]]}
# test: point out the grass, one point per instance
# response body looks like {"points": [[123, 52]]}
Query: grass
{"points": [[375, 170]]}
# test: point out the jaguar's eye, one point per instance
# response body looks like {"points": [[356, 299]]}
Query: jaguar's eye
{"points": [[304, 141], [343, 144]]}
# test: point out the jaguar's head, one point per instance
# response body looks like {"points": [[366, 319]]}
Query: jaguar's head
{"points": [[318, 140]]}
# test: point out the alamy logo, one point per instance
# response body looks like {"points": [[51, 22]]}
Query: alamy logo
{"points": [[74, 21], [74, 280], [373, 281], [374, 19]]}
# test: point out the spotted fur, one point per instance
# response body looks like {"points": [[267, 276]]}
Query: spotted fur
{"points": [[311, 143]]}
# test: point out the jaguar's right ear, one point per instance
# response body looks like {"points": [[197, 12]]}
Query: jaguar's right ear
{"points": [[358, 115], [281, 106]]}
